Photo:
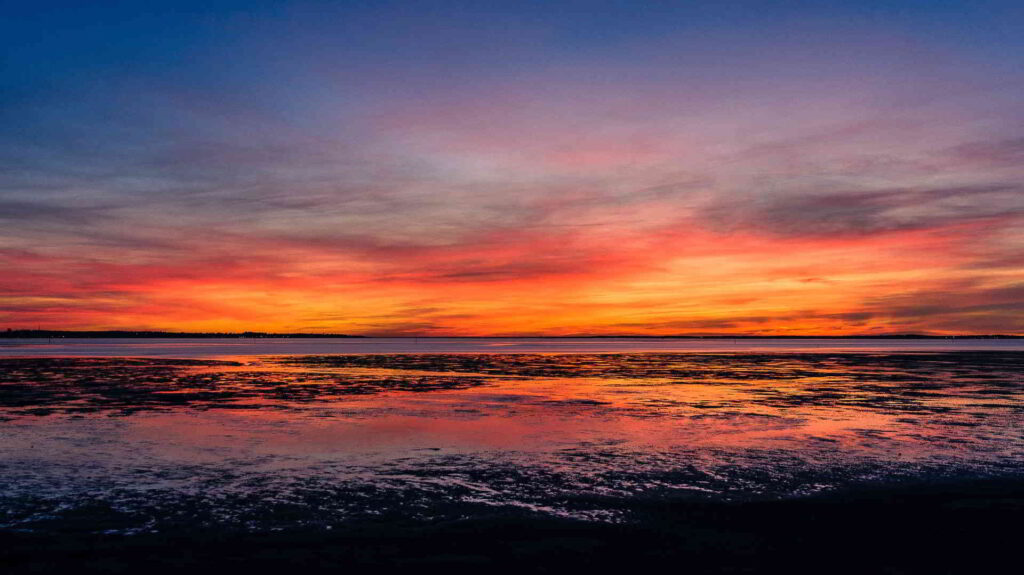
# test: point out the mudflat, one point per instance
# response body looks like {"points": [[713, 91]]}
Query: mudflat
{"points": [[719, 462]]}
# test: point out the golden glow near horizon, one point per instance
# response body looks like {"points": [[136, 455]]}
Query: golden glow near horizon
{"points": [[881, 284]]}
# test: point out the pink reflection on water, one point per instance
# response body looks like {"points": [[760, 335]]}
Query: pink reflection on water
{"points": [[522, 430]]}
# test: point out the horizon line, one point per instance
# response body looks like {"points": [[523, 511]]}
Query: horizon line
{"points": [[147, 333]]}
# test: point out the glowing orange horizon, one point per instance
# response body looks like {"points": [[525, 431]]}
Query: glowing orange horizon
{"points": [[666, 283]]}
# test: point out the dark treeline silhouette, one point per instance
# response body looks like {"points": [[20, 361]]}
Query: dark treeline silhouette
{"points": [[730, 336], [50, 333]]}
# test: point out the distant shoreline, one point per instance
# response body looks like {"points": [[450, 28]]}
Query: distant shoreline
{"points": [[122, 334]]}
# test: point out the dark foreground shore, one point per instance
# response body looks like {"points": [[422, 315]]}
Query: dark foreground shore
{"points": [[950, 527]]}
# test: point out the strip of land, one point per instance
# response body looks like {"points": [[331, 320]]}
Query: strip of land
{"points": [[115, 334]]}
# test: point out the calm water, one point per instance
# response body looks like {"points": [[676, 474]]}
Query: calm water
{"points": [[196, 348], [229, 438]]}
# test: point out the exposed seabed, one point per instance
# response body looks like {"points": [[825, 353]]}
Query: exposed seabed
{"points": [[756, 462]]}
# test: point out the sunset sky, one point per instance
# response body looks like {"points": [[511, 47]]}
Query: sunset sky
{"points": [[506, 168]]}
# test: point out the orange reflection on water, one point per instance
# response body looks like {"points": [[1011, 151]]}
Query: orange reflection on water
{"points": [[352, 433], [652, 402]]}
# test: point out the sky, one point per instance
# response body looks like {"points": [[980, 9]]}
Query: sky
{"points": [[513, 168]]}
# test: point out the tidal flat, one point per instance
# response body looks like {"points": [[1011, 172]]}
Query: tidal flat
{"points": [[729, 462]]}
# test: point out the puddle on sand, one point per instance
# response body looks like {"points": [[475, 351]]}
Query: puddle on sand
{"points": [[116, 444]]}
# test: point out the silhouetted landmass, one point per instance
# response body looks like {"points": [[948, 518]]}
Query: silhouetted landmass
{"points": [[50, 333], [47, 334], [730, 336]]}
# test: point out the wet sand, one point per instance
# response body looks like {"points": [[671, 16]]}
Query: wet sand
{"points": [[713, 462], [932, 528]]}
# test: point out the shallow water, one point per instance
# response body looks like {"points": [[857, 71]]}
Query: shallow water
{"points": [[218, 348], [272, 442]]}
